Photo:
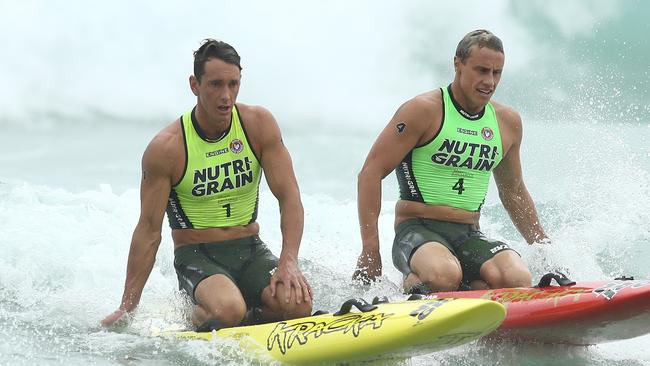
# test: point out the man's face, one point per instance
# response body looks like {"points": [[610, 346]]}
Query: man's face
{"points": [[479, 75], [217, 91]]}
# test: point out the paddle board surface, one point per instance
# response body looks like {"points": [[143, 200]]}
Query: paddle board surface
{"points": [[382, 330], [583, 313]]}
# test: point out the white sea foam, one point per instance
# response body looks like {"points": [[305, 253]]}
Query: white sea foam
{"points": [[84, 89]]}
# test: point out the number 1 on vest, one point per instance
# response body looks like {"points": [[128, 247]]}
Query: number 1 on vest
{"points": [[459, 186], [227, 207]]}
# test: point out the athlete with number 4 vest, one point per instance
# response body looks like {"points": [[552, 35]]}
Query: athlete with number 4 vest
{"points": [[443, 146]]}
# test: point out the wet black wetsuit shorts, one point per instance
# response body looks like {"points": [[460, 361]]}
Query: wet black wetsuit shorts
{"points": [[464, 241], [246, 261]]}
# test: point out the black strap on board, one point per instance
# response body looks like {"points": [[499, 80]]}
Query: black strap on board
{"points": [[625, 278], [380, 300], [209, 326], [359, 303], [559, 277]]}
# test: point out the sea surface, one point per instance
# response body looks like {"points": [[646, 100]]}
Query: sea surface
{"points": [[84, 87]]}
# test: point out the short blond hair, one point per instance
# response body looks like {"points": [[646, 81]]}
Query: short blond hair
{"points": [[480, 37]]}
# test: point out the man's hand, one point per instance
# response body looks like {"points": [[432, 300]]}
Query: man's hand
{"points": [[368, 267], [288, 274], [545, 258], [118, 318]]}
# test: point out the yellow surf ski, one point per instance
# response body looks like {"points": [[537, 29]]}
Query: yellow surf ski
{"points": [[371, 331]]}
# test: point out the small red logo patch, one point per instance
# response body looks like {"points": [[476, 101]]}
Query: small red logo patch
{"points": [[487, 133], [236, 146]]}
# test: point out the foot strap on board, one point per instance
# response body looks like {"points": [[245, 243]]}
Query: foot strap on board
{"points": [[380, 300], [419, 289], [375, 301], [559, 277], [624, 278], [209, 326], [319, 312], [359, 303], [415, 297]]}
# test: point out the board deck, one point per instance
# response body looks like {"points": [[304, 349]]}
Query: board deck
{"points": [[584, 313], [391, 330]]}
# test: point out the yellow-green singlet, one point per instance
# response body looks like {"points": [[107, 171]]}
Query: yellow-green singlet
{"points": [[220, 184], [454, 168]]}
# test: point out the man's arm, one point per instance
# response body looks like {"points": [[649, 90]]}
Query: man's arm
{"points": [[512, 190], [154, 192], [402, 133], [278, 169]]}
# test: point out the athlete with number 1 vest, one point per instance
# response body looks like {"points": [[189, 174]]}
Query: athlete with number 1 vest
{"points": [[204, 171]]}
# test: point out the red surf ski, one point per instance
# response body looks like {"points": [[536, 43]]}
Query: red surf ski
{"points": [[579, 314]]}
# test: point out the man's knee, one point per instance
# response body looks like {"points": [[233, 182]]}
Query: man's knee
{"points": [[520, 277], [229, 312], [286, 310], [295, 310], [506, 269], [440, 276], [436, 267], [515, 277], [442, 279], [219, 298]]}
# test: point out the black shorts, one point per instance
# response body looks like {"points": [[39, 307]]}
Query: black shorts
{"points": [[246, 261], [464, 241]]}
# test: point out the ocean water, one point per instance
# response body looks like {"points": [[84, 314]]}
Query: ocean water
{"points": [[84, 90]]}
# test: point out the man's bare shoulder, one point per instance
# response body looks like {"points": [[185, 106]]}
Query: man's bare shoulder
{"points": [[256, 119], [168, 143], [509, 124], [424, 104], [423, 110], [255, 113], [507, 115]]}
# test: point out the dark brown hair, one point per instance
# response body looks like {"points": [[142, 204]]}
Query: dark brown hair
{"points": [[211, 48]]}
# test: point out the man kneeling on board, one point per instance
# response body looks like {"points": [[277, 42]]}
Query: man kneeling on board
{"points": [[444, 145], [204, 170]]}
